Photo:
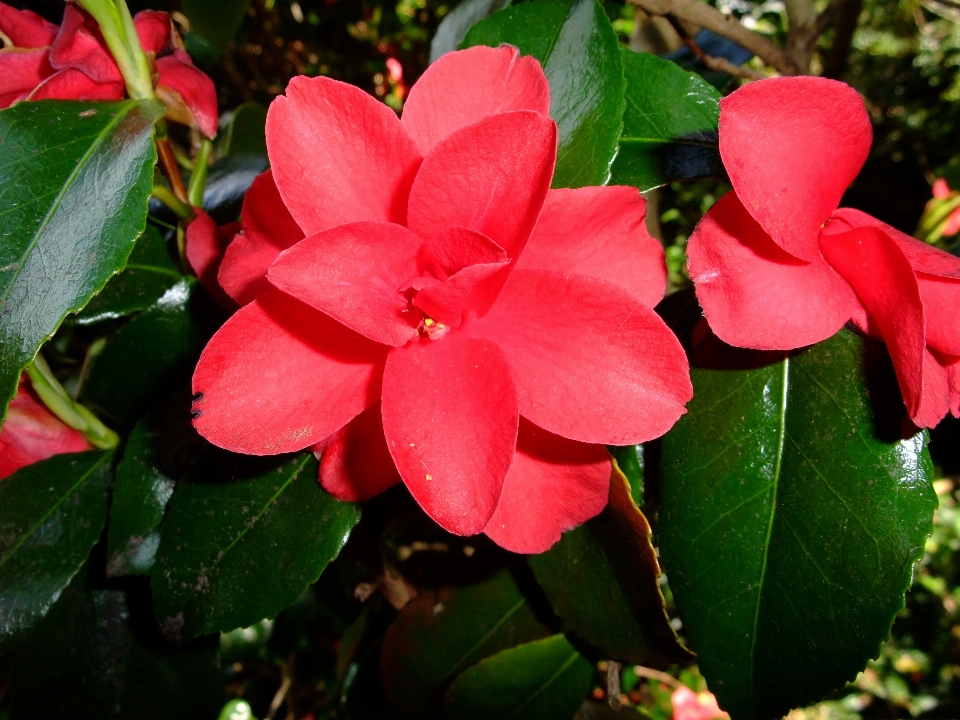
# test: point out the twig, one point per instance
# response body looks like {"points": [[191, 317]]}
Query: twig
{"points": [[652, 674], [714, 63], [279, 697], [613, 685], [699, 13]]}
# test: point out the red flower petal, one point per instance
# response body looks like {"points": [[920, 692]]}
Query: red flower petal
{"points": [[877, 269], [952, 366], [491, 177], [591, 362], [466, 86], [756, 295], [20, 72], [446, 301], [599, 231], [450, 418], [553, 485], [791, 146], [32, 433], [339, 155], [25, 28], [206, 243], [268, 230], [197, 91], [73, 84], [941, 309], [153, 30], [455, 248], [280, 376], [79, 45], [356, 464], [356, 274]]}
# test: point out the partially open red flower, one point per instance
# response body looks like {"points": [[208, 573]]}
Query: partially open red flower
{"points": [[72, 62], [31, 433], [412, 287], [777, 266], [688, 705], [206, 243]]}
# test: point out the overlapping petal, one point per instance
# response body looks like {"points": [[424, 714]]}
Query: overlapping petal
{"points": [[791, 146], [599, 231], [339, 155], [20, 72], [190, 96], [450, 417], [153, 30], [591, 362], [73, 84], [756, 295], [464, 87], [356, 464], [941, 308], [280, 376], [79, 45], [206, 243], [553, 485], [25, 28]]}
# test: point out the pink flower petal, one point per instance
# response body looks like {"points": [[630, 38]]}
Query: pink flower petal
{"points": [[941, 309], [206, 243], [455, 248], [280, 376], [355, 273], [25, 28], [177, 73], [464, 87], [880, 273], [153, 30], [688, 705], [268, 230], [450, 418], [79, 45], [756, 295], [465, 289], [356, 464], [591, 362], [20, 72], [491, 177], [791, 146], [599, 231], [553, 485], [339, 155], [73, 84]]}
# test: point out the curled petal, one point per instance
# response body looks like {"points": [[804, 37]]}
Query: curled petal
{"points": [[20, 72], [153, 29], [280, 376], [79, 45], [182, 86], [941, 309], [356, 274], [756, 295], [464, 87], [450, 418], [599, 231], [553, 485], [25, 28], [206, 244], [952, 366], [356, 464], [72, 84], [339, 155], [791, 146], [455, 248], [591, 362]]}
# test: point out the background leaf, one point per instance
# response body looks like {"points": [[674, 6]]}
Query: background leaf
{"points": [[669, 125], [541, 680], [245, 133], [576, 45], [790, 522], [74, 189], [455, 24], [217, 21], [51, 514]]}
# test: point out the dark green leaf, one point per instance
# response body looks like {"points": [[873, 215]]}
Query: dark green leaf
{"points": [[140, 357], [51, 514], [217, 21], [601, 579], [245, 133], [235, 552], [445, 631], [789, 524], [576, 45], [73, 196], [453, 28], [669, 126], [542, 680], [630, 461], [228, 180], [149, 273]]}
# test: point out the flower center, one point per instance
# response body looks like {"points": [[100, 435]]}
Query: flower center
{"points": [[432, 329]]}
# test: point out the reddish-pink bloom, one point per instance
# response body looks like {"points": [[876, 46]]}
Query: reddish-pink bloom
{"points": [[72, 62], [688, 705], [777, 266], [418, 300], [206, 243], [31, 433]]}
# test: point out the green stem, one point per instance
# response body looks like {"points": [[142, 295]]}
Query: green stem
{"points": [[198, 180], [180, 208], [74, 414], [120, 34]]}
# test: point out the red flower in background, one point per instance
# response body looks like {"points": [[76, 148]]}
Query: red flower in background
{"points": [[72, 62], [777, 266], [688, 705], [418, 301], [32, 433]]}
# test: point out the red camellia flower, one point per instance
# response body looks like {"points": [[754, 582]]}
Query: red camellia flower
{"points": [[72, 62], [777, 266], [420, 303], [31, 433]]}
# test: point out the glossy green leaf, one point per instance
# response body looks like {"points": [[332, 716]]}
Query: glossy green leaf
{"points": [[143, 354], [455, 24], [669, 126], [790, 521], [148, 274], [51, 514], [576, 45], [73, 195], [602, 580], [245, 133], [234, 551], [217, 21], [542, 680], [443, 632]]}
